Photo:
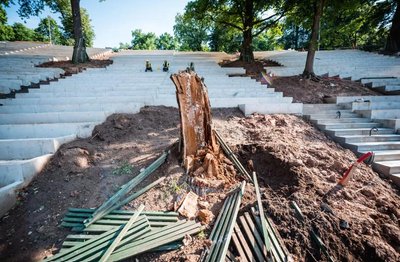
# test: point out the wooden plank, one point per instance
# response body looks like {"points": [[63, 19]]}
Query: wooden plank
{"points": [[242, 248], [90, 211], [143, 247], [121, 234], [275, 244], [222, 247], [251, 239], [138, 193], [109, 205], [155, 234], [98, 244], [261, 210], [256, 234], [216, 234]]}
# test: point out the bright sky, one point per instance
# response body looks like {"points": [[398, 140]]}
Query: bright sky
{"points": [[113, 20]]}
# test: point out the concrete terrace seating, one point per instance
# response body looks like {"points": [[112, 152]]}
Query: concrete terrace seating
{"points": [[356, 128], [352, 64], [35, 124], [385, 85], [18, 60]]}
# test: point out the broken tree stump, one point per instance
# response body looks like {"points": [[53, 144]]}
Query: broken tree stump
{"points": [[201, 154]]}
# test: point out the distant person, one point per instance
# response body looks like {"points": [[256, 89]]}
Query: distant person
{"points": [[165, 66], [191, 66], [148, 66]]}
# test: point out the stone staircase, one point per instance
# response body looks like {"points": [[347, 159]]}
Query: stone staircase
{"points": [[359, 134], [18, 61], [390, 85], [350, 64], [33, 125]]}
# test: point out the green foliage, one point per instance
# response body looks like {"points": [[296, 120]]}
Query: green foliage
{"points": [[165, 42], [191, 33], [48, 26], [124, 46], [23, 33], [124, 169], [6, 33], [143, 41], [29, 8]]}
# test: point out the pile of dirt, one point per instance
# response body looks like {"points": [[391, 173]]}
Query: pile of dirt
{"points": [[293, 160], [301, 89], [296, 162], [316, 92], [253, 69], [71, 68]]}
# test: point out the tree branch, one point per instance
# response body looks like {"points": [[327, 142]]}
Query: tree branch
{"points": [[230, 24], [267, 25]]}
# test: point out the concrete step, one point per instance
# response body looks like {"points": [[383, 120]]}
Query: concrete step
{"points": [[388, 167], [343, 112], [278, 108], [356, 131], [395, 178], [324, 121], [11, 149], [385, 155], [12, 171], [46, 130], [8, 196], [321, 115], [109, 107], [374, 138], [331, 126], [79, 100], [57, 117], [371, 146]]}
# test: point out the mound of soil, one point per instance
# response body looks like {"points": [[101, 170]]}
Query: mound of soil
{"points": [[301, 89], [312, 92], [71, 68], [293, 160], [296, 162]]}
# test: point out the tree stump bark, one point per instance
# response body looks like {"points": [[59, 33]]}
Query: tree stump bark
{"points": [[201, 154]]}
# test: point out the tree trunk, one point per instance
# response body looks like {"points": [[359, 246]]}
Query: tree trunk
{"points": [[309, 68], [246, 52], [79, 55], [393, 40], [202, 156], [296, 38]]}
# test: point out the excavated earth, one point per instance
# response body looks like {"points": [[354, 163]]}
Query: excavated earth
{"points": [[293, 160]]}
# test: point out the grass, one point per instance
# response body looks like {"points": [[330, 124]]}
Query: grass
{"points": [[124, 169]]}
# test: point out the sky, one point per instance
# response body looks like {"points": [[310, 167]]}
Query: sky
{"points": [[113, 20]]}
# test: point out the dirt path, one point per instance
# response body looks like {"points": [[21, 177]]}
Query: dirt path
{"points": [[293, 160]]}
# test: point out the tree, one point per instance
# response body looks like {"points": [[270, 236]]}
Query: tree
{"points": [[23, 33], [143, 41], [6, 31], [393, 39], [190, 33], [250, 17], [49, 29], [165, 42], [313, 44], [34, 7]]}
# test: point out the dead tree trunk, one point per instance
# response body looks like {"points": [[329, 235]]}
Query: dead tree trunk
{"points": [[201, 154], [79, 55], [309, 68]]}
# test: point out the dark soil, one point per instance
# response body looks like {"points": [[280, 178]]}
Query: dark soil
{"points": [[311, 92], [302, 90], [293, 160], [71, 68]]}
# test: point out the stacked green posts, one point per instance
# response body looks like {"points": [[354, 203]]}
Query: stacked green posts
{"points": [[232, 156], [223, 228], [115, 201]]}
